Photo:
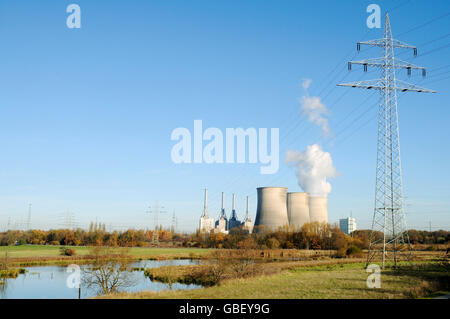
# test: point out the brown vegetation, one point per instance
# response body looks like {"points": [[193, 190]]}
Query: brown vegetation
{"points": [[315, 236], [234, 264]]}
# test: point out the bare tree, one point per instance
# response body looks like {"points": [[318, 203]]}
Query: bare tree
{"points": [[4, 262], [109, 273]]}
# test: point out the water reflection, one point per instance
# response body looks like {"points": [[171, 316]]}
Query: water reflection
{"points": [[50, 282]]}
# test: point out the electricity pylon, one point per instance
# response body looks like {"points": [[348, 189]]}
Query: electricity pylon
{"points": [[156, 211], [174, 223], [29, 218], [389, 235]]}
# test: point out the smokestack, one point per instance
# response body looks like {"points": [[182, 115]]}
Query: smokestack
{"points": [[233, 210], [222, 211], [223, 201], [206, 223], [205, 206], [247, 215]]}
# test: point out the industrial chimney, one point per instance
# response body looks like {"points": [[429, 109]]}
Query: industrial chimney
{"points": [[222, 222], [206, 223], [248, 221], [233, 222]]}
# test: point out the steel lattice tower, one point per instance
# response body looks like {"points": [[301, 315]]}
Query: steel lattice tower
{"points": [[389, 237], [156, 210]]}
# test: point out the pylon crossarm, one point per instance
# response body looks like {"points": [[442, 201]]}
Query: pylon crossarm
{"points": [[400, 64], [405, 86], [380, 62], [378, 85], [384, 42], [368, 84]]}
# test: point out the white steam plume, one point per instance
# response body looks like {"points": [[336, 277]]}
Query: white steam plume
{"points": [[314, 109], [306, 83], [314, 166]]}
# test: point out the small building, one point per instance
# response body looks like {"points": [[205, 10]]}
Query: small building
{"points": [[221, 225], [206, 224], [347, 225]]}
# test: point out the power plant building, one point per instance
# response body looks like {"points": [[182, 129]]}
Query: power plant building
{"points": [[347, 225], [276, 208], [234, 222]]}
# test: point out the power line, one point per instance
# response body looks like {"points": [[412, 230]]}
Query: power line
{"points": [[424, 24], [298, 120]]}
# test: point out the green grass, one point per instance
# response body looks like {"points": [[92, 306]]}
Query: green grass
{"points": [[30, 251], [332, 281]]}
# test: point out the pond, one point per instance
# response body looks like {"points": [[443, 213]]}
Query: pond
{"points": [[50, 282]]}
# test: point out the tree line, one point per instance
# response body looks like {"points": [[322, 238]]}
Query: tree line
{"points": [[309, 236]]}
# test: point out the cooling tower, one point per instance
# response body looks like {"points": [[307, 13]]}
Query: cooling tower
{"points": [[297, 209], [271, 212], [318, 211]]}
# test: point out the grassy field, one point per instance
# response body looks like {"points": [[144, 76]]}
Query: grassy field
{"points": [[340, 281], [38, 251]]}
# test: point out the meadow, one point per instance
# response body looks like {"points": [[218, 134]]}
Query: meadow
{"points": [[29, 255], [270, 273], [336, 281]]}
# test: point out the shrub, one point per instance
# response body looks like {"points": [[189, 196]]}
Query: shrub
{"points": [[353, 250], [142, 244], [10, 273], [64, 251], [341, 253], [273, 243]]}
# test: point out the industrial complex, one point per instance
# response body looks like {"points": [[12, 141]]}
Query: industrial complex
{"points": [[276, 208]]}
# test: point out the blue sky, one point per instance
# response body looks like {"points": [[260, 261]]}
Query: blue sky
{"points": [[86, 114]]}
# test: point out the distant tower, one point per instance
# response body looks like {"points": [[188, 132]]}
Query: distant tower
{"points": [[233, 222], [156, 211], [29, 218], [248, 224], [206, 223], [67, 220], [174, 222], [389, 213]]}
